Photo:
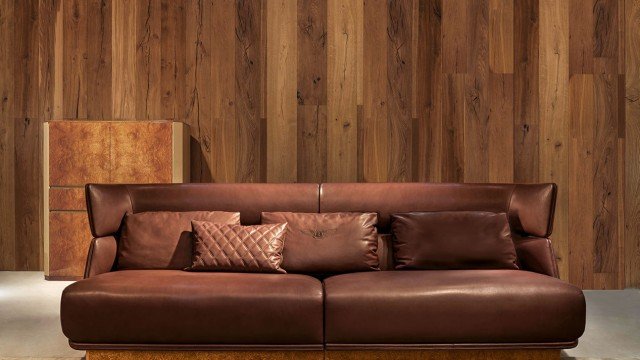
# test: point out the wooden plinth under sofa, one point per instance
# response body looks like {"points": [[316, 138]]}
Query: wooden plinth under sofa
{"points": [[520, 313]]}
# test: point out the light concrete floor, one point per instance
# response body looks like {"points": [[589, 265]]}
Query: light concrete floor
{"points": [[30, 323]]}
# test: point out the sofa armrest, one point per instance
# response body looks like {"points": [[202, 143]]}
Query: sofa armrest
{"points": [[101, 257], [536, 254]]}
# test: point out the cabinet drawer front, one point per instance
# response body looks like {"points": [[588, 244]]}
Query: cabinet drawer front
{"points": [[69, 239], [78, 153]]}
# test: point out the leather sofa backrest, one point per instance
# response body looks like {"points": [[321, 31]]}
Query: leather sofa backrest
{"points": [[529, 207], [107, 204]]}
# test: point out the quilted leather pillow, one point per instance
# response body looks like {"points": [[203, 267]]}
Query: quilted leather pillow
{"points": [[162, 239], [237, 248], [329, 242], [452, 240]]}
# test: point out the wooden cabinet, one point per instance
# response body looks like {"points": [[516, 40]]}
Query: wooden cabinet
{"points": [[81, 152]]}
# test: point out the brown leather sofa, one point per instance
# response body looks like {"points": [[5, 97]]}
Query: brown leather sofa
{"points": [[377, 310]]}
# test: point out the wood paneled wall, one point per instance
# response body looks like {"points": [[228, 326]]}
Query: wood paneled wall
{"points": [[347, 90]]}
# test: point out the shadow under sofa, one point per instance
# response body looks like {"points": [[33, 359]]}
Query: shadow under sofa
{"points": [[389, 314]]}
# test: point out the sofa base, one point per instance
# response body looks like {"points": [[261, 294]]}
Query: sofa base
{"points": [[205, 355], [527, 354]]}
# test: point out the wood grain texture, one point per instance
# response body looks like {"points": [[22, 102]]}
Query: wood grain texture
{"points": [[147, 59], [123, 74], [428, 90], [476, 99], [69, 240], [332, 355], [500, 128], [7, 146], [605, 166], [281, 91], [453, 129], [375, 125], [342, 106], [319, 90], [456, 32], [445, 355], [226, 24], [26, 137], [202, 355], [526, 91], [128, 140], [98, 65], [75, 60], [249, 60], [312, 91], [399, 93], [581, 36], [501, 36], [581, 205], [632, 143], [71, 168], [554, 117]]}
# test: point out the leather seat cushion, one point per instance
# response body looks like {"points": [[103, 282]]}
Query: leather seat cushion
{"points": [[451, 307], [178, 307]]}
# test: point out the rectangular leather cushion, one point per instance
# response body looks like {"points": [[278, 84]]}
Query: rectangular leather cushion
{"points": [[452, 240], [328, 243], [237, 248], [162, 239]]}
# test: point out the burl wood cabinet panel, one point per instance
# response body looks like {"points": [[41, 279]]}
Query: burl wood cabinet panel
{"points": [[81, 152]]}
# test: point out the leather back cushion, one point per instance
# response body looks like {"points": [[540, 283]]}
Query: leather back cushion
{"points": [[162, 240], [108, 204], [328, 243], [529, 207], [237, 248], [452, 240]]}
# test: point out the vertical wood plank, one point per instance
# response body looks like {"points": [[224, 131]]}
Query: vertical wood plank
{"points": [[342, 106], [526, 91], [58, 71], [429, 88], [476, 106], [375, 108], [581, 36], [621, 32], [453, 129], [227, 23], [123, 75], [47, 63], [500, 132], [147, 57], [605, 165], [99, 46], [312, 91], [399, 93], [28, 189], [249, 66], [501, 36], [312, 143], [281, 91], [605, 17], [75, 59], [581, 205], [312, 52], [455, 36], [169, 40], [193, 28], [632, 143], [7, 147], [554, 117]]}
